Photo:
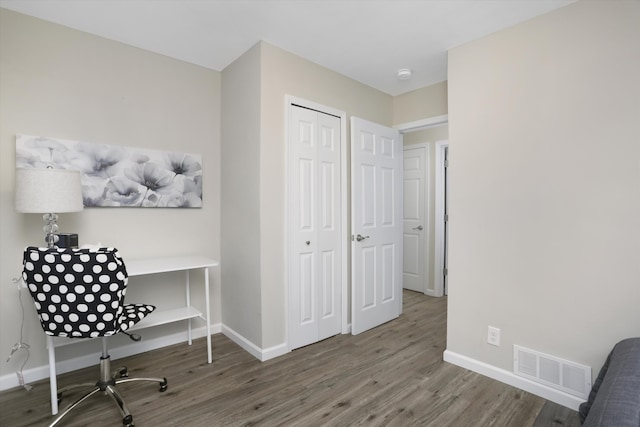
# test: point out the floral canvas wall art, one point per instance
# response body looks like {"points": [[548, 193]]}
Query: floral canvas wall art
{"points": [[113, 175]]}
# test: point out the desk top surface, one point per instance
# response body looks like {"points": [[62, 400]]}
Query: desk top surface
{"points": [[138, 267]]}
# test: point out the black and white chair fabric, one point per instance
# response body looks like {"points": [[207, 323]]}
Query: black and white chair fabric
{"points": [[80, 293]]}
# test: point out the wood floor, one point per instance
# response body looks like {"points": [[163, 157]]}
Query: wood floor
{"points": [[390, 376]]}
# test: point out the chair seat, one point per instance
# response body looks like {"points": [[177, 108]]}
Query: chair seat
{"points": [[132, 314]]}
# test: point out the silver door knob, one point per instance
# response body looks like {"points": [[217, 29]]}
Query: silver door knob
{"points": [[419, 228], [360, 238]]}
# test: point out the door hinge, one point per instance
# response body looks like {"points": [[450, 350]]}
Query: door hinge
{"points": [[353, 238], [445, 271], [446, 217], [446, 163]]}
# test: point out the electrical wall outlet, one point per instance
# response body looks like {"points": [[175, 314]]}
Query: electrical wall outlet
{"points": [[493, 336]]}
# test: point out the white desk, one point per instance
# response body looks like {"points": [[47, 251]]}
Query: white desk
{"points": [[142, 267]]}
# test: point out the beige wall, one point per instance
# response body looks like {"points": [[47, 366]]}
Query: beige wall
{"points": [[426, 102], [58, 82], [545, 202], [429, 135], [240, 244]]}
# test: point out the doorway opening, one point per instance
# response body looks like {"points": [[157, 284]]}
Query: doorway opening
{"points": [[437, 202]]}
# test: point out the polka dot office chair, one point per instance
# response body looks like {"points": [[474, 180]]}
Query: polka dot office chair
{"points": [[79, 293]]}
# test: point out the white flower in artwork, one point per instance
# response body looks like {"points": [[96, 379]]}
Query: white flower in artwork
{"points": [[100, 160], [123, 191], [153, 178], [183, 164]]}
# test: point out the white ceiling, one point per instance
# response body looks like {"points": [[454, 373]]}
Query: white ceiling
{"points": [[366, 40]]}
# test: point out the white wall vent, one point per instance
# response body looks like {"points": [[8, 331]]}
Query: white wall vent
{"points": [[570, 377]]}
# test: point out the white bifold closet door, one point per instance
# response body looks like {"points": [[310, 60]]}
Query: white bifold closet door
{"points": [[314, 245]]}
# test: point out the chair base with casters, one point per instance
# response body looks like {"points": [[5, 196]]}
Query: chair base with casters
{"points": [[107, 385]]}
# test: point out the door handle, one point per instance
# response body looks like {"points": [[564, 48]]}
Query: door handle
{"points": [[360, 238], [419, 228]]}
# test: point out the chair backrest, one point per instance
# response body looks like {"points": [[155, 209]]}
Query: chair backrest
{"points": [[78, 293]]}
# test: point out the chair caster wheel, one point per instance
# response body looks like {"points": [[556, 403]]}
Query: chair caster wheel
{"points": [[59, 398], [163, 386], [128, 421], [123, 373]]}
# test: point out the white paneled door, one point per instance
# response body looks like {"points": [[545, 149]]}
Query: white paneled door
{"points": [[415, 260], [376, 224], [314, 198]]}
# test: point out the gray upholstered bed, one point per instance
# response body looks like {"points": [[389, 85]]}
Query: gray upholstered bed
{"points": [[614, 400]]}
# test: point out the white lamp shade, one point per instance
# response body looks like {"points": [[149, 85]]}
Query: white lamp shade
{"points": [[48, 191]]}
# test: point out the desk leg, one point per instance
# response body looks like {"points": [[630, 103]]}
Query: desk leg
{"points": [[53, 380], [188, 289], [206, 299]]}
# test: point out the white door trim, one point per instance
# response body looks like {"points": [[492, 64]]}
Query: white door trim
{"points": [[423, 124], [427, 210], [438, 278], [293, 100]]}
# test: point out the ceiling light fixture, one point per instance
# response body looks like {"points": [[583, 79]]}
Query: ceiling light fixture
{"points": [[404, 74]]}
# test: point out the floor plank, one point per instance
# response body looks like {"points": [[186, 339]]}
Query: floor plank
{"points": [[553, 415], [392, 375]]}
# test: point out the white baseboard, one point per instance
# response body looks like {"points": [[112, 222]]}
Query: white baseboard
{"points": [[273, 352], [257, 352], [507, 377], [41, 372]]}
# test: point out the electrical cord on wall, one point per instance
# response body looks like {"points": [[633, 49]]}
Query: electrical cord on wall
{"points": [[20, 345]]}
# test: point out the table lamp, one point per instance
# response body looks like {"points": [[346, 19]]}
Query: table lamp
{"points": [[49, 192]]}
